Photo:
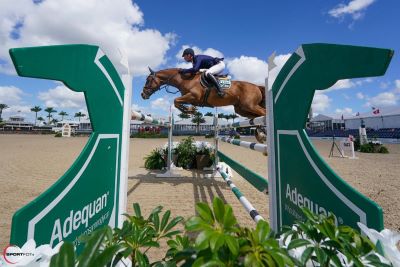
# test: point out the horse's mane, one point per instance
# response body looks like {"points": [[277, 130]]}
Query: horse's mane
{"points": [[185, 76]]}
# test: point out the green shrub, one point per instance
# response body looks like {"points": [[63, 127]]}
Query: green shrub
{"points": [[356, 144], [58, 134], [105, 247], [373, 148], [214, 238], [383, 150], [149, 135], [221, 241], [155, 160], [186, 152], [367, 148]]}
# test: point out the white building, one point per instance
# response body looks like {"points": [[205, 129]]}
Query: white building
{"points": [[17, 123], [386, 118]]}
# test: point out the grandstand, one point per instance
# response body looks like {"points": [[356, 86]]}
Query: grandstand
{"points": [[385, 124]]}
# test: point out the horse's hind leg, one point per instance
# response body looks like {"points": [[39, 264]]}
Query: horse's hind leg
{"points": [[244, 113], [260, 133], [256, 110]]}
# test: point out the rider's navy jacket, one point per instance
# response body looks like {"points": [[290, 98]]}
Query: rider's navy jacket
{"points": [[202, 62]]}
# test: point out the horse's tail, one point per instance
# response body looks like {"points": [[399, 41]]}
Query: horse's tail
{"points": [[262, 89]]}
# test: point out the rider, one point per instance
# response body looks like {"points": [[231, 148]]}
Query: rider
{"points": [[214, 65]]}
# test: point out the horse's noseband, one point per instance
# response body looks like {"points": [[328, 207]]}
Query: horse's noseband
{"points": [[148, 90]]}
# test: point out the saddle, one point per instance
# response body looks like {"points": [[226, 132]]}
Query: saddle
{"points": [[224, 81]]}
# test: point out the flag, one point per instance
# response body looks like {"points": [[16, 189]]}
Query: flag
{"points": [[375, 110]]}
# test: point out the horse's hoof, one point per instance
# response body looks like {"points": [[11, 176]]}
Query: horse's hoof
{"points": [[191, 110]]}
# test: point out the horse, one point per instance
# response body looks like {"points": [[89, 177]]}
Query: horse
{"points": [[248, 99]]}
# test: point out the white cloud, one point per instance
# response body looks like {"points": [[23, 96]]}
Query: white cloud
{"points": [[249, 69], [20, 110], [62, 97], [226, 109], [341, 84], [138, 108], [160, 104], [385, 99], [397, 89], [346, 96], [355, 8], [320, 102], [384, 85], [360, 95], [347, 84], [10, 95], [184, 65], [344, 111], [111, 24], [363, 81]]}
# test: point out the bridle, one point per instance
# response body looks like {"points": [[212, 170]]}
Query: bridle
{"points": [[149, 90]]}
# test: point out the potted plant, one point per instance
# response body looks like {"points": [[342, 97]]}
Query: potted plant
{"points": [[174, 152], [155, 160], [203, 154]]}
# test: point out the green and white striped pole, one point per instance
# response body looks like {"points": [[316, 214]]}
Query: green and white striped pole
{"points": [[239, 195]]}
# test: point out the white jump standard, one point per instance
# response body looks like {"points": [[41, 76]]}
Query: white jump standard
{"points": [[171, 168]]}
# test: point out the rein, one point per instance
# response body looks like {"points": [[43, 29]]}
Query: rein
{"points": [[166, 85]]}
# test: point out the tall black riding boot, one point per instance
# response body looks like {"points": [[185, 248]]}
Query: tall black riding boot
{"points": [[216, 84]]}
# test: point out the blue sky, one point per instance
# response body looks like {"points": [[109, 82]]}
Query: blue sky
{"points": [[154, 33]]}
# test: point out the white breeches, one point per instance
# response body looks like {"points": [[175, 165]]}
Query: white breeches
{"points": [[217, 68]]}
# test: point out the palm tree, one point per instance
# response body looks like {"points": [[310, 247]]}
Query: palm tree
{"points": [[36, 109], [184, 115], [209, 114], [198, 118], [233, 116], [40, 119], [79, 115], [50, 110], [62, 114], [2, 106], [221, 115], [54, 121], [226, 117]]}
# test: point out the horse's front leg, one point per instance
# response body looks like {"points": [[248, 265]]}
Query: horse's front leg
{"points": [[180, 102]]}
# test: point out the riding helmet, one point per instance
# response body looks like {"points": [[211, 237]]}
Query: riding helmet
{"points": [[188, 51]]}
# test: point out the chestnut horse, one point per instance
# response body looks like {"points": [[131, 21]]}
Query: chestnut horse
{"points": [[248, 99]]}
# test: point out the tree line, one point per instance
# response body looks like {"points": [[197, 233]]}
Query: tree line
{"points": [[49, 116], [198, 118]]}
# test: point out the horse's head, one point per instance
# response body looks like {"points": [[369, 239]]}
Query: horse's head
{"points": [[152, 85]]}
